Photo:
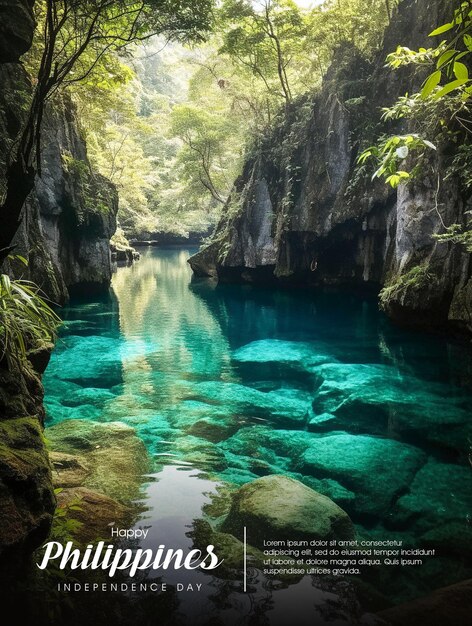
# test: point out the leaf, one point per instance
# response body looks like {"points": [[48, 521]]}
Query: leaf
{"points": [[442, 29], [402, 152], [468, 41], [430, 83], [393, 180], [455, 84], [461, 72], [445, 58], [429, 144]]}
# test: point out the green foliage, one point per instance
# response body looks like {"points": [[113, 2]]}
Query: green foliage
{"points": [[458, 234], [170, 130], [265, 37], [93, 197], [416, 278], [449, 57], [440, 109], [26, 320], [65, 526], [390, 152]]}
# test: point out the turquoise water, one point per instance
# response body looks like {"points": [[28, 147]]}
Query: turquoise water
{"points": [[225, 384]]}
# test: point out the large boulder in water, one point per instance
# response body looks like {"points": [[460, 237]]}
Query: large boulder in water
{"points": [[278, 507], [93, 513]]}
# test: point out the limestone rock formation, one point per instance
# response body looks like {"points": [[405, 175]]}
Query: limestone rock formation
{"points": [[302, 213], [71, 214]]}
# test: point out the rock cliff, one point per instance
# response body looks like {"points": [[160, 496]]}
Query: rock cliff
{"points": [[70, 216], [67, 223], [302, 213]]}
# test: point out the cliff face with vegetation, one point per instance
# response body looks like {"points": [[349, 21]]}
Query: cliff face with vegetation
{"points": [[71, 215], [67, 223], [302, 212]]}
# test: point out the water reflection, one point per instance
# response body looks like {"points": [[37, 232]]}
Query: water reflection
{"points": [[203, 372]]}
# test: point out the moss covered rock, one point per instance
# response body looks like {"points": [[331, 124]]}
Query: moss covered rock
{"points": [[26, 494], [94, 512], [111, 458], [277, 507]]}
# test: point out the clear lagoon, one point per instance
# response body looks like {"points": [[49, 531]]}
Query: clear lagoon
{"points": [[228, 383]]}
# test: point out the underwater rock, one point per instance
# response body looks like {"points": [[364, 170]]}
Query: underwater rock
{"points": [[56, 412], [68, 470], [339, 382], [330, 488], [377, 399], [88, 359], [438, 493], [270, 354], [116, 457], [200, 453], [260, 450], [277, 507], [281, 406], [377, 470], [451, 538], [94, 512], [213, 429], [88, 395]]}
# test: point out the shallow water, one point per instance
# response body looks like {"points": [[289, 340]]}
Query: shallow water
{"points": [[229, 383]]}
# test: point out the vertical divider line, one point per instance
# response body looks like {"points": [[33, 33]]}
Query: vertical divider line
{"points": [[245, 555]]}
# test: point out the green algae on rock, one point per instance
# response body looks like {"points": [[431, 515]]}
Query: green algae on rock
{"points": [[278, 507], [26, 493], [94, 512], [112, 453], [27, 499]]}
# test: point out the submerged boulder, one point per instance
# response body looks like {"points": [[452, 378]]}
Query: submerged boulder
{"points": [[281, 406], [270, 354], [378, 399], [440, 492], [87, 360], [230, 550], [278, 507], [377, 470]]}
